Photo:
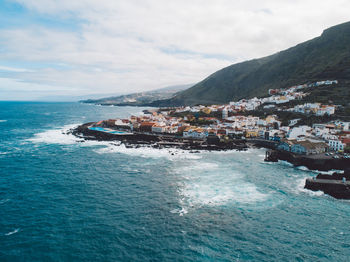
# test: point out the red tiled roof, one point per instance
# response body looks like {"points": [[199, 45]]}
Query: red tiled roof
{"points": [[147, 124]]}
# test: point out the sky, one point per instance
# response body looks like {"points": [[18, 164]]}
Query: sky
{"points": [[58, 48]]}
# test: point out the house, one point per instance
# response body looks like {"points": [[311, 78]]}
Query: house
{"points": [[336, 145], [285, 145], [224, 113], [329, 110], [270, 119], [206, 110], [194, 132], [123, 124], [158, 128], [251, 133], [309, 148], [146, 126], [298, 131]]}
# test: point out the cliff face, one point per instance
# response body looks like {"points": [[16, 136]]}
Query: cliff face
{"points": [[325, 57]]}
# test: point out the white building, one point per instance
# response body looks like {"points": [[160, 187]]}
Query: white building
{"points": [[336, 145], [299, 131], [224, 113]]}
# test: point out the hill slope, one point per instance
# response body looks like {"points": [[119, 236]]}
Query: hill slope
{"points": [[324, 57], [138, 99]]}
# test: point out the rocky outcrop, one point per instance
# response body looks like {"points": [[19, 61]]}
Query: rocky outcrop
{"points": [[311, 162], [336, 185]]}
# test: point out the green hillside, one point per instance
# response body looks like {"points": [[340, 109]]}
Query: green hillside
{"points": [[324, 57]]}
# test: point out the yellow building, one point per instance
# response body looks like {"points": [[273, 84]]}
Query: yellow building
{"points": [[206, 110], [251, 133]]}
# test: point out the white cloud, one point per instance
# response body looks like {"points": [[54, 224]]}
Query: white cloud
{"points": [[140, 45]]}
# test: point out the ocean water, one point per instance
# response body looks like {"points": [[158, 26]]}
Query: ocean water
{"points": [[62, 199]]}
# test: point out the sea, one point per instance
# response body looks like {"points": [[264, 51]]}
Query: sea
{"points": [[63, 199]]}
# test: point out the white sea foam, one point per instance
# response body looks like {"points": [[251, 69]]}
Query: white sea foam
{"points": [[216, 194], [4, 153], [3, 121], [304, 168], [12, 232], [56, 136], [197, 166], [148, 152], [215, 184], [300, 189], [181, 211], [330, 172], [285, 163]]}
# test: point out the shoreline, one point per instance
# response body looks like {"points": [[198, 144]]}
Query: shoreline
{"points": [[312, 162], [157, 141], [332, 185], [137, 140]]}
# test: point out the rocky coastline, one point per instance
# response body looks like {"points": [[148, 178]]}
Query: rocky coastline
{"points": [[137, 140], [312, 162], [336, 185]]}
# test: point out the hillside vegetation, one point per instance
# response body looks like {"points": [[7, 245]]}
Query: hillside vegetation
{"points": [[324, 57]]}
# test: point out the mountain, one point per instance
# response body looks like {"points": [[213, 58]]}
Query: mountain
{"points": [[324, 57], [141, 98], [69, 98]]}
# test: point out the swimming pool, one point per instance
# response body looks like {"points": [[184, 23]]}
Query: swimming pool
{"points": [[110, 131]]}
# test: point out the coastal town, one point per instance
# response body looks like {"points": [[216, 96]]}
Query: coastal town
{"points": [[233, 121]]}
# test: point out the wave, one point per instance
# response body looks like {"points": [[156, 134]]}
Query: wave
{"points": [[181, 211], [304, 168], [56, 136], [4, 153], [148, 152], [3, 201], [12, 232], [218, 184], [3, 121], [300, 189], [285, 163], [242, 193]]}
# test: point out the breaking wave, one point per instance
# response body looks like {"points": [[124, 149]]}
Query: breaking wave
{"points": [[12, 232], [300, 189], [148, 152], [56, 136]]}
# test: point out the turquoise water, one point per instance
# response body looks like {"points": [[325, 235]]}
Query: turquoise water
{"points": [[107, 130], [62, 199]]}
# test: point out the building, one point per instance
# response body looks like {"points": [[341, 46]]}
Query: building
{"points": [[298, 132], [123, 124], [146, 126], [158, 128], [194, 132], [224, 113], [309, 148], [285, 145]]}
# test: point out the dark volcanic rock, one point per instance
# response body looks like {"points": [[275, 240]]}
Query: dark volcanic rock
{"points": [[335, 185], [311, 162], [156, 141]]}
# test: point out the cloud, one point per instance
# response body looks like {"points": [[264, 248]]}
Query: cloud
{"points": [[125, 46]]}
